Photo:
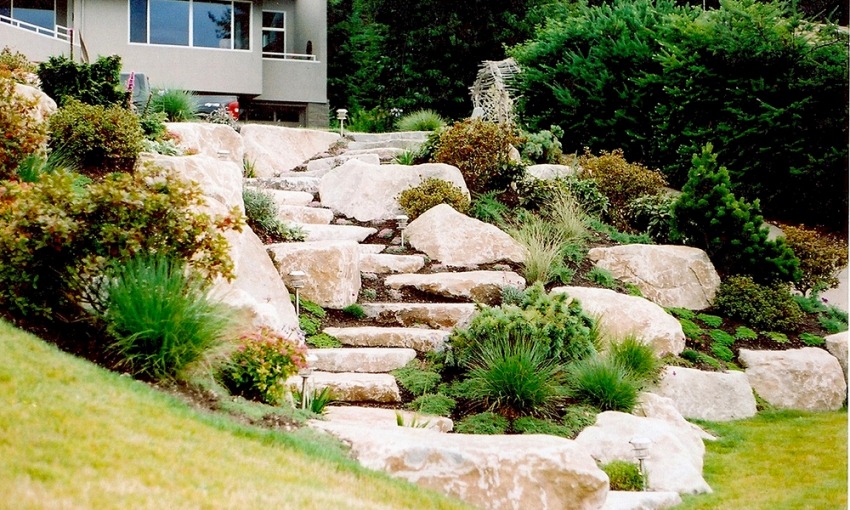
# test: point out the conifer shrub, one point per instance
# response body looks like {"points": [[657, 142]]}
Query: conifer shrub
{"points": [[770, 307], [94, 84], [543, 146], [432, 192], [23, 134], [821, 257]]}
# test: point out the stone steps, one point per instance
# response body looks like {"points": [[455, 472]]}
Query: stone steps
{"points": [[480, 286], [383, 263], [431, 315], [376, 417], [420, 339], [288, 198], [304, 214], [307, 184], [336, 232], [352, 386], [373, 360]]}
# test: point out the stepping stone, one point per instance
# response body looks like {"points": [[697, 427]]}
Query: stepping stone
{"points": [[432, 315], [319, 167], [388, 144], [302, 214], [622, 500], [352, 386], [420, 339], [371, 248], [416, 136], [290, 182], [283, 198], [367, 360], [481, 286], [385, 154], [383, 263], [336, 232], [376, 417]]}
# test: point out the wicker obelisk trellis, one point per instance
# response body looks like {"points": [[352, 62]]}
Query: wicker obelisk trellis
{"points": [[492, 93]]}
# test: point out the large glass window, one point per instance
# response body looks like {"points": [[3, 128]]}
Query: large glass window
{"points": [[169, 22], [41, 13], [211, 23], [274, 32]]}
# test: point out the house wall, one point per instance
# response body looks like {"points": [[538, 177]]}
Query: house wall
{"points": [[37, 48]]}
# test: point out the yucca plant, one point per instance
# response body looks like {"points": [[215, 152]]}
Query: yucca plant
{"points": [[178, 105], [420, 120]]}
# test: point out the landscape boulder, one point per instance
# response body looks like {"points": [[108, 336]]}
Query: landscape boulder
{"points": [[807, 379], [44, 104], [547, 171], [669, 276], [713, 396], [217, 141], [274, 149], [651, 405], [837, 346], [375, 417], [332, 269], [629, 500], [220, 180], [320, 167], [480, 286]]}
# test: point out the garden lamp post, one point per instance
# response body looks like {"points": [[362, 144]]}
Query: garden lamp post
{"points": [[305, 374], [402, 225], [341, 115], [298, 279], [641, 448]]}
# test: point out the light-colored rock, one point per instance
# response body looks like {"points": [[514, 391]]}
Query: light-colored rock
{"points": [[415, 136], [301, 214], [480, 286], [622, 500], [675, 454], [44, 104], [621, 315], [432, 315], [655, 406], [546, 172], [217, 141], [351, 386], [220, 180], [287, 182], [808, 379], [378, 418], [837, 346], [276, 149], [667, 275], [372, 360], [458, 240], [420, 339], [366, 249], [838, 295], [370, 192], [385, 154], [284, 198], [382, 263], [405, 145], [332, 268], [713, 396], [494, 472], [320, 167], [353, 233]]}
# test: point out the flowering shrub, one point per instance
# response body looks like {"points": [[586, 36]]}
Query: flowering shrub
{"points": [[261, 364], [23, 134], [18, 68]]}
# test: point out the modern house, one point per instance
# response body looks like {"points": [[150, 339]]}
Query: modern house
{"points": [[272, 54]]}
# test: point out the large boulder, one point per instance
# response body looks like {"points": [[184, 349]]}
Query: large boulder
{"points": [[548, 171], [458, 240], [214, 140], [650, 405], [808, 379], [621, 315], [837, 346], [320, 167], [675, 455], [368, 192], [44, 104], [276, 149], [332, 268], [375, 417], [670, 276], [481, 286], [494, 472], [714, 396], [220, 180]]}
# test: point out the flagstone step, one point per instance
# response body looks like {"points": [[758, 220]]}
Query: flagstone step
{"points": [[303, 214], [366, 249], [336, 232], [432, 315], [376, 417], [383, 263], [366, 359], [420, 339], [285, 198], [352, 386], [481, 286], [287, 182]]}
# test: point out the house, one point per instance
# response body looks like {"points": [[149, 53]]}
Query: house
{"points": [[270, 53]]}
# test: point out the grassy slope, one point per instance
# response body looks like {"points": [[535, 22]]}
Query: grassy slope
{"points": [[781, 459], [73, 435]]}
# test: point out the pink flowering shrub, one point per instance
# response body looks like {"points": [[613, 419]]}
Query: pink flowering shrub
{"points": [[261, 364]]}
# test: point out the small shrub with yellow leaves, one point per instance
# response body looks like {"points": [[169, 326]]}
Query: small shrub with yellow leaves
{"points": [[432, 192]]}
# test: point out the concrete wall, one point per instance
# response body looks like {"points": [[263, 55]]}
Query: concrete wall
{"points": [[300, 81], [37, 48]]}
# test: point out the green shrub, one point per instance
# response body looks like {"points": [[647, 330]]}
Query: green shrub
{"points": [[416, 378], [652, 214], [429, 193], [811, 339], [93, 84], [375, 120], [602, 383], [730, 230], [260, 365], [23, 133], [481, 151], [623, 475], [833, 320], [636, 357], [512, 295], [160, 316], [531, 425], [690, 329], [712, 321], [434, 404], [821, 257], [543, 146], [578, 417], [617, 236], [420, 120], [323, 341], [262, 216], [682, 313], [780, 338], [311, 326], [354, 310], [482, 423], [701, 358], [177, 105], [17, 67], [721, 337], [97, 139], [603, 277], [762, 306], [487, 207], [153, 127], [722, 352], [745, 333]]}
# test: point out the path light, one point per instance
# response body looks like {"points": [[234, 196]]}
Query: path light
{"points": [[641, 447], [305, 374], [341, 115], [298, 279], [402, 225]]}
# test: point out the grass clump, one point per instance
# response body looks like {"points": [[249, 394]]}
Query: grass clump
{"points": [[811, 339], [483, 423], [712, 321], [745, 333], [602, 383], [420, 120], [603, 277], [354, 310], [780, 338], [682, 313], [623, 476], [721, 337], [178, 105], [636, 357], [543, 243], [691, 330]]}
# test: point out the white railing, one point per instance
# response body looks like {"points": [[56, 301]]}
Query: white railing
{"points": [[58, 32], [288, 56]]}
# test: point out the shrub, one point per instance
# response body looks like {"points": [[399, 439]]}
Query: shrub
{"points": [[512, 295], [762, 306], [603, 277], [435, 404], [420, 120], [821, 257], [712, 321], [375, 120], [745, 333], [543, 146], [487, 207], [811, 339], [93, 84], [636, 357], [602, 383], [416, 378], [262, 216], [652, 214], [481, 151], [429, 193], [482, 423], [730, 230], [531, 425], [160, 316], [577, 417], [833, 320], [354, 310], [323, 341], [536, 193], [620, 181], [623, 475], [23, 133], [177, 105], [153, 127], [16, 67], [97, 139], [259, 367], [311, 326]]}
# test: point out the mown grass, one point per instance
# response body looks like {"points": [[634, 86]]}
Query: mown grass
{"points": [[73, 435], [778, 459]]}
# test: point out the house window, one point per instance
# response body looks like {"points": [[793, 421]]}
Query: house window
{"points": [[197, 23], [41, 13], [274, 33]]}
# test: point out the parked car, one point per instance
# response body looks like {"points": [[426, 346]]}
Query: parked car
{"points": [[208, 104], [141, 93]]}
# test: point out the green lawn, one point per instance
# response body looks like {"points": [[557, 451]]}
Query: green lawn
{"points": [[73, 435], [777, 460]]}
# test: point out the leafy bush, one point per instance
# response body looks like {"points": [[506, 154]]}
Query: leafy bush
{"points": [[821, 257], [577, 417], [623, 476], [97, 139], [93, 84], [160, 316], [482, 423], [602, 383], [812, 339], [531, 425], [762, 306], [481, 151], [603, 277], [435, 404], [730, 230], [652, 214], [16, 67], [636, 357], [712, 321], [23, 133], [535, 193], [259, 367], [543, 146], [262, 216], [323, 341], [487, 207], [429, 193], [177, 105], [745, 333], [420, 120], [416, 378]]}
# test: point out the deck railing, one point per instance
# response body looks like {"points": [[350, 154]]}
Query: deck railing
{"points": [[58, 31]]}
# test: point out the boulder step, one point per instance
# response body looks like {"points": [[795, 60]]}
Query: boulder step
{"points": [[304, 214], [352, 386], [432, 315], [419, 339], [621, 500], [307, 184], [481, 286], [383, 263], [336, 232], [365, 360], [376, 417], [284, 198]]}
